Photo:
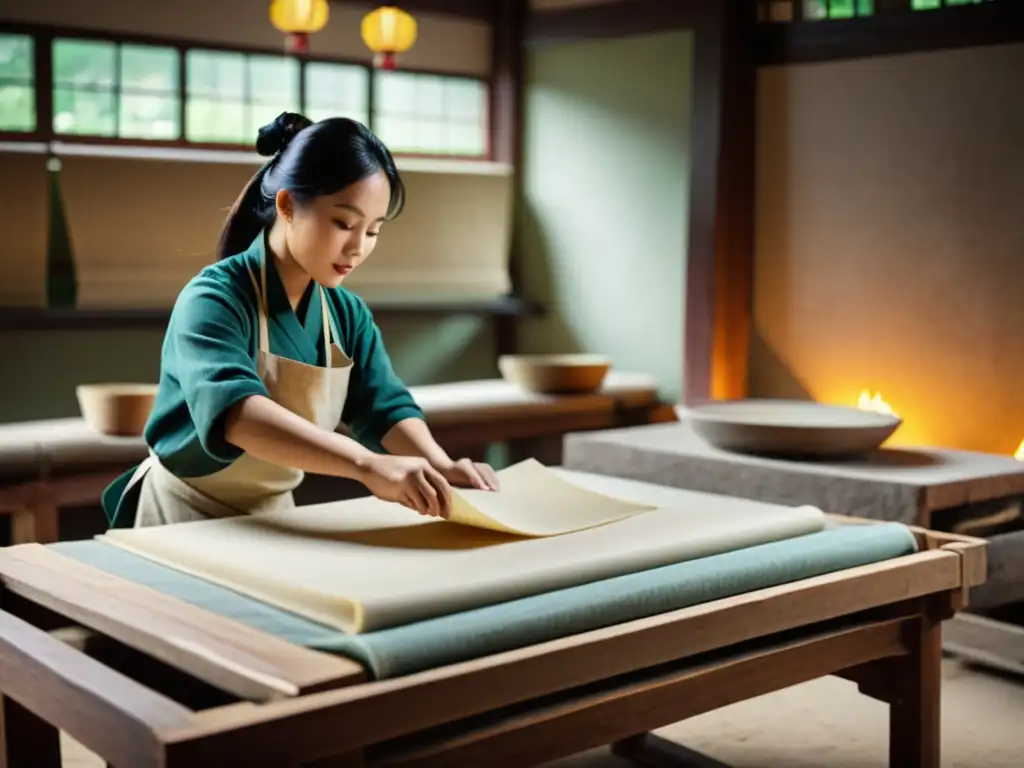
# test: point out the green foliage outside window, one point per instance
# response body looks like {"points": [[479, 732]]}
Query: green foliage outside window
{"points": [[17, 87], [848, 9]]}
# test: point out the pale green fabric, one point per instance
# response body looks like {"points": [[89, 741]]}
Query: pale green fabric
{"points": [[492, 629]]}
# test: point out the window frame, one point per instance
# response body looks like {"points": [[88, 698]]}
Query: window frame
{"points": [[43, 81], [797, 11]]}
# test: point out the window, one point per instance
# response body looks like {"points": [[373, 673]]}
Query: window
{"points": [[337, 90], [149, 103], [784, 10], [927, 5], [223, 103], [838, 9], [107, 89], [17, 83], [174, 93], [431, 114]]}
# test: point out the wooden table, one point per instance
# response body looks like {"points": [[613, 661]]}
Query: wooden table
{"points": [[56, 463], [212, 691]]}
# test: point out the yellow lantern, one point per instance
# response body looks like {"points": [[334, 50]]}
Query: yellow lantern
{"points": [[299, 19], [388, 31]]}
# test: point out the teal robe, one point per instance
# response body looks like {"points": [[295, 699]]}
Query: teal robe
{"points": [[208, 364]]}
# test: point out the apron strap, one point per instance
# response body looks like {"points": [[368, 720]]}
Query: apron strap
{"points": [[329, 327], [261, 307]]}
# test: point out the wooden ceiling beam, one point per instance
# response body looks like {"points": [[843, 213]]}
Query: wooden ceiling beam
{"points": [[478, 10]]}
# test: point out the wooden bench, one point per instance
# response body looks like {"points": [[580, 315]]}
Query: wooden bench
{"points": [[51, 464]]}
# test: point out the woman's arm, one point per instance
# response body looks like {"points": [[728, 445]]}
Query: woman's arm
{"points": [[412, 437], [268, 431]]}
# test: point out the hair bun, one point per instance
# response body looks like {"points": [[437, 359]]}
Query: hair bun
{"points": [[275, 136]]}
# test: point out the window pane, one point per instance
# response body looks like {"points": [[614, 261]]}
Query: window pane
{"points": [[323, 113], [149, 69], [89, 112], [16, 58], [431, 114], [217, 121], [274, 80], [432, 136], [334, 90], [926, 5], [429, 96], [399, 133], [841, 9], [470, 140], [84, 63], [395, 92], [148, 116], [17, 108], [215, 75], [466, 100]]}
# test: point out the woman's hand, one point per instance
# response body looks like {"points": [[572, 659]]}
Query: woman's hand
{"points": [[466, 473], [410, 481]]}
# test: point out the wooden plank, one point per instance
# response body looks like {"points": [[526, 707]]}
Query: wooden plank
{"points": [[597, 21], [973, 551], [107, 712], [362, 714], [224, 653], [547, 733]]}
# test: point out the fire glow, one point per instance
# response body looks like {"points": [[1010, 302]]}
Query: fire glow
{"points": [[874, 402]]}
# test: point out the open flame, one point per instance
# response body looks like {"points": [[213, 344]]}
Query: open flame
{"points": [[874, 402], [1019, 455]]}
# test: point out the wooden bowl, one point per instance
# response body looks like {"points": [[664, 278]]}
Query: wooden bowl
{"points": [[555, 374], [119, 410], [790, 428]]}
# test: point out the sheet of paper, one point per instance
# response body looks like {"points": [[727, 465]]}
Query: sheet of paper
{"points": [[363, 564], [534, 500]]}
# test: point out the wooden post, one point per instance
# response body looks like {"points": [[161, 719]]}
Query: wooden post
{"points": [[27, 741], [914, 712]]}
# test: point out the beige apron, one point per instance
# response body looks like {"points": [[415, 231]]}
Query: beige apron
{"points": [[250, 485]]}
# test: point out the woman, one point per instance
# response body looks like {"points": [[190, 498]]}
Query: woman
{"points": [[265, 353]]}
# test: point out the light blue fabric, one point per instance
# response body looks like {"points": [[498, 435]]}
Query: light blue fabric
{"points": [[471, 634]]}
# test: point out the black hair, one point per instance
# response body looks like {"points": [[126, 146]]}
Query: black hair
{"points": [[308, 160]]}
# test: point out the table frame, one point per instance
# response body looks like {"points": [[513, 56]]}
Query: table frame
{"points": [[282, 705]]}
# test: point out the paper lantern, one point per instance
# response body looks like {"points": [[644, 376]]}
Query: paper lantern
{"points": [[388, 31], [299, 19]]}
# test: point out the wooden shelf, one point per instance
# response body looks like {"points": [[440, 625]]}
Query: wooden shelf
{"points": [[186, 154], [82, 319]]}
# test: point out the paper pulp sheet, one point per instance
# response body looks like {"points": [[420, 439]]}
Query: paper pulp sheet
{"points": [[362, 565], [533, 500]]}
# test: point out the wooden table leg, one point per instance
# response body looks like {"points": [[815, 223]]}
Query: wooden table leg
{"points": [[656, 752], [915, 710], [27, 741], [38, 523]]}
